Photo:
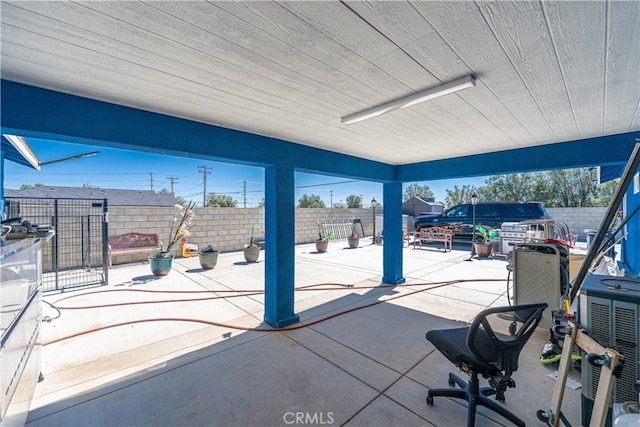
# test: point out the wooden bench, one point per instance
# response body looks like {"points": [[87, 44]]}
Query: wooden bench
{"points": [[433, 234], [131, 243]]}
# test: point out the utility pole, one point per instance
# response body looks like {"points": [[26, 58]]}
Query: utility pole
{"points": [[331, 196], [244, 193], [172, 179], [204, 171], [151, 180]]}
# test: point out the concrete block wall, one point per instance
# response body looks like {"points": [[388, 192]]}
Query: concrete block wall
{"points": [[578, 219], [226, 229]]}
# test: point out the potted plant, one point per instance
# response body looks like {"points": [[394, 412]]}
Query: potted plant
{"points": [[208, 257], [162, 261], [482, 243], [322, 243], [353, 239], [252, 250]]}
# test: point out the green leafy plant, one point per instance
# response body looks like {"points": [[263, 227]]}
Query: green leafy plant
{"points": [[321, 233], [484, 235]]}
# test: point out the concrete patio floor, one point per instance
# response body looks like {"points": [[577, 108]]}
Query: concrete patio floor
{"points": [[187, 349]]}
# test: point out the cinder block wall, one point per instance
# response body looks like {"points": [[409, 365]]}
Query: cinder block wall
{"points": [[226, 229], [578, 219]]}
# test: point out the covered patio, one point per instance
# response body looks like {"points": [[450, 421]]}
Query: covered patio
{"points": [[342, 88], [358, 357]]}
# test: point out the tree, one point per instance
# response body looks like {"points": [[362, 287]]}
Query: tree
{"points": [[415, 190], [573, 188], [354, 201], [215, 200], [28, 186], [517, 187], [459, 195], [556, 188], [87, 185], [339, 205], [261, 203], [604, 193], [311, 201]]}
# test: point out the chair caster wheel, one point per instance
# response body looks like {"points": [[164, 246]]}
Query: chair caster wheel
{"points": [[545, 417], [429, 400]]}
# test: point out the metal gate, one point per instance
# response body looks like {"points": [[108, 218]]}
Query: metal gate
{"points": [[75, 256]]}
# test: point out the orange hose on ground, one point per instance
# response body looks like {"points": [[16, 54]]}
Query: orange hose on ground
{"points": [[434, 285]]}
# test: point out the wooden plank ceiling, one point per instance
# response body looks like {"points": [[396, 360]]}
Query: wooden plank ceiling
{"points": [[546, 71]]}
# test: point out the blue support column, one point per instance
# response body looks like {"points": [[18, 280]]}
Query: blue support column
{"points": [[279, 251], [392, 226]]}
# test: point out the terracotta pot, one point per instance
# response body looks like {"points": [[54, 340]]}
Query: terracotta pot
{"points": [[251, 254], [483, 250], [353, 242], [160, 266], [322, 245], [208, 260]]}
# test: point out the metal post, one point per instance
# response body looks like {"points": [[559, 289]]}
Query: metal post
{"points": [[373, 205], [474, 202]]}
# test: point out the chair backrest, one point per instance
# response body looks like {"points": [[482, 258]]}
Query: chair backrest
{"points": [[497, 335]]}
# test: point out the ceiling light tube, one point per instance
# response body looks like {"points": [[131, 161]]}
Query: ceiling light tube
{"points": [[408, 101], [23, 148]]}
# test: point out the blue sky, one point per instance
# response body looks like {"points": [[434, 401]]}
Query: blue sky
{"points": [[132, 170]]}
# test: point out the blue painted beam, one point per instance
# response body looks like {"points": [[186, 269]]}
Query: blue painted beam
{"points": [[40, 113], [280, 238], [587, 152], [392, 251]]}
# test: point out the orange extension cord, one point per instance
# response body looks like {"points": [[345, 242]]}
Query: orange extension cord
{"points": [[243, 293]]}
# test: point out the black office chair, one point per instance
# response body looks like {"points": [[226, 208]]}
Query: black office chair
{"points": [[490, 347]]}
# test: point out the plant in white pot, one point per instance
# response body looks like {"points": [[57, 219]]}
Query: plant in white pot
{"points": [[252, 250]]}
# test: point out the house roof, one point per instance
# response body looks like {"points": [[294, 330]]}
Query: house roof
{"points": [[115, 197], [422, 200]]}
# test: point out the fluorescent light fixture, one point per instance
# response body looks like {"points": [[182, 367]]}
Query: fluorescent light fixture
{"points": [[76, 157], [408, 101], [23, 148]]}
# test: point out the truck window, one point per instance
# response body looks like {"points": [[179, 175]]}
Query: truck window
{"points": [[458, 212], [487, 211]]}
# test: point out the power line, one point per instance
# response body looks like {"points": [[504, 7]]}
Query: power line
{"points": [[329, 183]]}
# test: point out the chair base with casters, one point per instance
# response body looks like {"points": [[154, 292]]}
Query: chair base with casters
{"points": [[474, 395], [490, 348]]}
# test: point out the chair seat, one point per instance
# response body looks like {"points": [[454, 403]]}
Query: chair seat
{"points": [[444, 340]]}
